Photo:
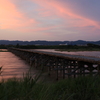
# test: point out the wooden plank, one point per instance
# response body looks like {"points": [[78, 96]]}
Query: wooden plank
{"points": [[66, 56]]}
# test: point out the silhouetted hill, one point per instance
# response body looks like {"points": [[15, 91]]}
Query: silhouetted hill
{"points": [[39, 42]]}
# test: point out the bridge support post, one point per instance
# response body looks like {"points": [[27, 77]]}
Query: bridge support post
{"points": [[81, 66], [98, 68], [90, 65], [63, 66]]}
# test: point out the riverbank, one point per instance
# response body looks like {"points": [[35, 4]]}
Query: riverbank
{"points": [[81, 88], [3, 50]]}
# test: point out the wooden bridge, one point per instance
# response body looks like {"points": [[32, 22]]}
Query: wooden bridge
{"points": [[61, 65]]}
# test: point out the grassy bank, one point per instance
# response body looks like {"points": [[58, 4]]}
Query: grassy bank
{"points": [[82, 88], [3, 50], [64, 47]]}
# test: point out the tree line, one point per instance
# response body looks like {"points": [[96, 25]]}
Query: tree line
{"points": [[86, 47]]}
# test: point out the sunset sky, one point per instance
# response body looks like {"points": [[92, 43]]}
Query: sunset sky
{"points": [[51, 20]]}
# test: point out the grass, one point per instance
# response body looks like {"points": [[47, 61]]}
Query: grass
{"points": [[81, 88], [27, 88]]}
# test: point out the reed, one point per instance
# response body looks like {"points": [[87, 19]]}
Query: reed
{"points": [[27, 88]]}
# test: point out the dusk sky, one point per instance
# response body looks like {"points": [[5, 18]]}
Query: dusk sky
{"points": [[51, 20]]}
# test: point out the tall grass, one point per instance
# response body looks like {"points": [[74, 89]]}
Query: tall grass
{"points": [[81, 88]]}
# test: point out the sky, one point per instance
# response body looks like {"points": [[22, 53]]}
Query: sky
{"points": [[51, 20]]}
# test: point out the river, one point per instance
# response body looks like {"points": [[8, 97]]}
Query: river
{"points": [[13, 66], [85, 53]]}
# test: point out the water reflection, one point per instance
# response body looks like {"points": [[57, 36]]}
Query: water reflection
{"points": [[4, 50], [12, 66], [85, 53]]}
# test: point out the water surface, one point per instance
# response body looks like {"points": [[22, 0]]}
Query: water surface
{"points": [[12, 66], [85, 53]]}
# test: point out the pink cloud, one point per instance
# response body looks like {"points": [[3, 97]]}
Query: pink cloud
{"points": [[58, 8], [38, 29]]}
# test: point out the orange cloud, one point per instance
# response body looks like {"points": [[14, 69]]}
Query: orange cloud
{"points": [[11, 18], [8, 13]]}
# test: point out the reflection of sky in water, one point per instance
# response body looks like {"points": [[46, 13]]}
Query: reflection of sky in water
{"points": [[12, 65], [3, 50], [85, 53]]}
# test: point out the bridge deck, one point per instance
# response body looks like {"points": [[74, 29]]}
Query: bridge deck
{"points": [[90, 59], [59, 63]]}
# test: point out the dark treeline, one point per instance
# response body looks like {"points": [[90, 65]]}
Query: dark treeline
{"points": [[3, 47], [62, 47]]}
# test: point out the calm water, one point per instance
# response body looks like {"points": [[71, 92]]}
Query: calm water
{"points": [[13, 66], [85, 53]]}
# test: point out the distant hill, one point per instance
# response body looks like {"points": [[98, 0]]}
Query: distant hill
{"points": [[39, 42]]}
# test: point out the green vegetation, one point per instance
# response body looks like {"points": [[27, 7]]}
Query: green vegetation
{"points": [[88, 47], [81, 88], [3, 46], [27, 88]]}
